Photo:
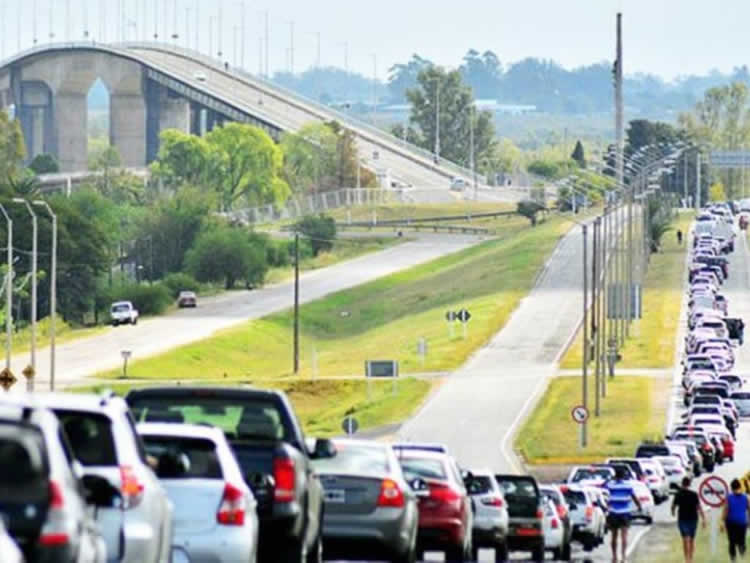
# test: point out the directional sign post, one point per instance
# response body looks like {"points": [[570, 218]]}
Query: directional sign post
{"points": [[450, 316], [29, 373], [580, 414], [463, 315], [350, 425], [714, 491]]}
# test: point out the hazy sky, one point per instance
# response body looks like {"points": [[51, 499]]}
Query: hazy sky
{"points": [[666, 37]]}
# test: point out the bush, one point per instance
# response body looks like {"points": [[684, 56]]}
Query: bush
{"points": [[320, 230], [149, 299], [179, 281]]}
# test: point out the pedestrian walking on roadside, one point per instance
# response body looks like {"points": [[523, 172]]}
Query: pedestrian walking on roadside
{"points": [[688, 507], [621, 499], [735, 518], [679, 237]]}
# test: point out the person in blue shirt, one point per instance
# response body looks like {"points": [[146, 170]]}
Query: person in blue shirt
{"points": [[621, 499], [735, 518]]}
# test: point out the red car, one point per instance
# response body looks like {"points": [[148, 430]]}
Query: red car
{"points": [[445, 517]]}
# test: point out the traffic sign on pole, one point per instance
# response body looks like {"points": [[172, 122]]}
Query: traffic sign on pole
{"points": [[580, 414], [7, 379], [713, 491], [450, 316], [463, 315], [350, 425]]}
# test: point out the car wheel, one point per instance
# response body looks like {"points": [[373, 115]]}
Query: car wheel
{"points": [[649, 520], [501, 553]]}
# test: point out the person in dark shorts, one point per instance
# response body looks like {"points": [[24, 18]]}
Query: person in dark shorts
{"points": [[735, 518], [621, 498], [688, 507]]}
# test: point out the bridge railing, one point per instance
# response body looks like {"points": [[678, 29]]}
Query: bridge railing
{"points": [[323, 111]]}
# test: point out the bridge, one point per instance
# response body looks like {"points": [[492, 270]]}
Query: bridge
{"points": [[155, 87]]}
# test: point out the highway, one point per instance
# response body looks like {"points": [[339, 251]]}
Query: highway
{"points": [[84, 357]]}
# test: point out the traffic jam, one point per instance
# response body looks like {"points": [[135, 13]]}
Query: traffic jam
{"points": [[193, 474]]}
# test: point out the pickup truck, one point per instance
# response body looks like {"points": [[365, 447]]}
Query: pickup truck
{"points": [[123, 312], [273, 453]]}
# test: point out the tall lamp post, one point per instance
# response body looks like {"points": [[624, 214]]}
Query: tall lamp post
{"points": [[30, 381], [52, 293], [8, 290]]}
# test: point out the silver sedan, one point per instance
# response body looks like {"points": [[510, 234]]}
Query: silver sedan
{"points": [[370, 510], [214, 510]]}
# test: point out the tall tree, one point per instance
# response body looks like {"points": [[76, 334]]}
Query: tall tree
{"points": [[642, 132], [578, 154], [182, 159], [456, 115], [12, 149], [402, 77], [483, 73]]}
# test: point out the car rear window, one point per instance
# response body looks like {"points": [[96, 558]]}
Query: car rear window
{"points": [[199, 453], [574, 497], [252, 419], [481, 484], [426, 468], [90, 436], [518, 488], [19, 465], [355, 459], [591, 473], [741, 395]]}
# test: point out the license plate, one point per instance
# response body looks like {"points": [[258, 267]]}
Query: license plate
{"points": [[335, 496]]}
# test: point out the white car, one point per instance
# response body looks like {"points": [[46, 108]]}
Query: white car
{"points": [[656, 480], [102, 435], [123, 312], [642, 492], [215, 515], [588, 526], [490, 528], [554, 533], [594, 476], [673, 469]]}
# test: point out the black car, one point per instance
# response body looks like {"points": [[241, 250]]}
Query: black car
{"points": [[525, 524], [272, 452]]}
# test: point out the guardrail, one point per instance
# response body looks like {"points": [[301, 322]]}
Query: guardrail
{"points": [[419, 227]]}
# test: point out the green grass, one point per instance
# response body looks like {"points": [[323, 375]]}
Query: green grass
{"points": [[63, 333], [382, 319], [322, 416], [634, 409], [652, 338], [343, 249]]}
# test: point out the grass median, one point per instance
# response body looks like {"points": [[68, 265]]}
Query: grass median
{"points": [[635, 409], [652, 338], [384, 403], [382, 319]]}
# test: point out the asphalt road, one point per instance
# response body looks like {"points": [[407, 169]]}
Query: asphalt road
{"points": [[80, 358]]}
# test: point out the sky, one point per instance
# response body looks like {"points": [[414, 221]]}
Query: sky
{"points": [[664, 37]]}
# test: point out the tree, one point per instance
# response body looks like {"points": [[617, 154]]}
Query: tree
{"points": [[436, 87], [320, 230], [183, 159], [642, 132], [228, 254], [12, 149], [483, 73], [44, 164], [529, 209], [579, 155], [716, 192], [403, 77], [247, 165]]}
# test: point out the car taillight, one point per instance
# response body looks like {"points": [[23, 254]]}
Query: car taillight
{"points": [[232, 508], [561, 510], [493, 501], [130, 487], [644, 498], [53, 531], [589, 513], [539, 513], [284, 479], [444, 494], [555, 524], [390, 494]]}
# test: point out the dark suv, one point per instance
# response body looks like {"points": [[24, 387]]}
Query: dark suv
{"points": [[525, 529]]}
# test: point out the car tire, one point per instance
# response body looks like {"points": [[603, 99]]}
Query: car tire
{"points": [[501, 553], [455, 555], [565, 554]]}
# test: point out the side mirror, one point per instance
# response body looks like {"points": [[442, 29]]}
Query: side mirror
{"points": [[324, 449], [420, 487], [100, 492]]}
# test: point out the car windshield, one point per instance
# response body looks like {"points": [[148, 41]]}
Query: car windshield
{"points": [[355, 459], [198, 456], [425, 468], [90, 436], [121, 308]]}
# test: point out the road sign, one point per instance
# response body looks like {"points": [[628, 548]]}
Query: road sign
{"points": [[381, 368], [7, 379], [28, 372], [463, 315], [580, 414], [713, 491], [350, 425], [450, 316]]}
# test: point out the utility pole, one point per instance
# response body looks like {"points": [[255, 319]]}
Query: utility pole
{"points": [[437, 120], [291, 47], [595, 328], [220, 29], [8, 289], [374, 88], [585, 355], [471, 149], [296, 303], [604, 303], [685, 176], [52, 294], [268, 72], [30, 380], [619, 119], [698, 181], [242, 36]]}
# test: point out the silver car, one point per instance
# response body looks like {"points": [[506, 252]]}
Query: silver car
{"points": [[102, 434], [370, 509], [214, 510], [741, 400], [490, 514]]}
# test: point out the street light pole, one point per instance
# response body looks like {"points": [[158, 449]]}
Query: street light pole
{"points": [[595, 328], [437, 120], [8, 290], [30, 380], [52, 293], [296, 303], [585, 335]]}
